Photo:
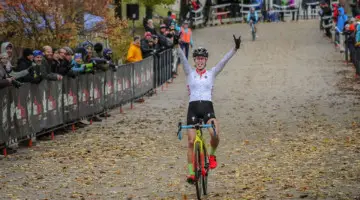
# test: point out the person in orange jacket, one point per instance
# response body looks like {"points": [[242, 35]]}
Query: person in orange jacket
{"points": [[134, 52]]}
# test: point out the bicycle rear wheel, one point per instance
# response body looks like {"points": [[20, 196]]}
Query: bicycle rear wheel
{"points": [[198, 175]]}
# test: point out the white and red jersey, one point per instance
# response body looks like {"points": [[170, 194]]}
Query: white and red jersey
{"points": [[200, 84]]}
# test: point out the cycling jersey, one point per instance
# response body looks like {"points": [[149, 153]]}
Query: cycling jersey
{"points": [[252, 16], [200, 85]]}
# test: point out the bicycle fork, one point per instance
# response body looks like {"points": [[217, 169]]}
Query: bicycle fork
{"points": [[202, 158]]}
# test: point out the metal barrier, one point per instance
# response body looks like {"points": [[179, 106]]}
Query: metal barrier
{"points": [[34, 109], [236, 12], [226, 13]]}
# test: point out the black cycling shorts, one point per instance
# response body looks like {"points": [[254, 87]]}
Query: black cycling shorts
{"points": [[200, 110]]}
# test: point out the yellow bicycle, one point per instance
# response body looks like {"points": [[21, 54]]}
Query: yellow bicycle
{"points": [[200, 156]]}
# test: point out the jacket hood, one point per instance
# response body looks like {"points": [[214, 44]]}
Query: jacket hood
{"points": [[341, 11], [4, 45]]}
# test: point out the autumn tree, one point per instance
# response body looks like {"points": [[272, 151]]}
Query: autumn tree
{"points": [[34, 23]]}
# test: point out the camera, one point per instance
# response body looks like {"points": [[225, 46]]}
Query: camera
{"points": [[16, 83]]}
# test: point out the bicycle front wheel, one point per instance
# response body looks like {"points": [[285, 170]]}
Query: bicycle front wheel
{"points": [[206, 166], [197, 166], [253, 32]]}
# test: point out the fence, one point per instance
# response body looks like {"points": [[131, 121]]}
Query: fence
{"points": [[35, 109], [236, 12], [342, 42]]}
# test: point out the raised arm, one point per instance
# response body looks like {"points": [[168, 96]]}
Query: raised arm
{"points": [[220, 66], [184, 61]]}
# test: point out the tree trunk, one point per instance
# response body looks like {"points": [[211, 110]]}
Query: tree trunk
{"points": [[183, 10], [149, 12], [118, 9]]}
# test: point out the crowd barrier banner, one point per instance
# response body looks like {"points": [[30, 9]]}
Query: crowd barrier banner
{"points": [[54, 104], [125, 83], [99, 89], [85, 94], [34, 109], [4, 116], [109, 95], [20, 107], [71, 103], [37, 107], [143, 73]]}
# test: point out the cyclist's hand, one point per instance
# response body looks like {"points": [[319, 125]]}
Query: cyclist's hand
{"points": [[237, 42]]}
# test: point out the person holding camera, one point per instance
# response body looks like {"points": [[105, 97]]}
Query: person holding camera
{"points": [[6, 79]]}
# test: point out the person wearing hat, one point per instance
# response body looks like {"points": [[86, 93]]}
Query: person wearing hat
{"points": [[5, 79], [26, 63], [186, 38], [149, 27], [77, 64], [146, 49], [326, 12], [107, 54], [164, 42], [7, 47]]}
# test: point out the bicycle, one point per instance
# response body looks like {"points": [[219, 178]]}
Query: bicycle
{"points": [[201, 158], [253, 33]]}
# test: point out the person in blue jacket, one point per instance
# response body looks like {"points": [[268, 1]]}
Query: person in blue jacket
{"points": [[77, 64], [342, 18], [253, 16]]}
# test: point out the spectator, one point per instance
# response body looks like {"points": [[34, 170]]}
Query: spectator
{"points": [[9, 68], [146, 50], [273, 16], [326, 12], [56, 61], [292, 8], [134, 52], [342, 18], [87, 59], [195, 4], [150, 27], [36, 76], [164, 42], [8, 48], [168, 19], [304, 5], [107, 55], [5, 79], [77, 64], [98, 60], [208, 4], [186, 38], [173, 30], [47, 65], [26, 63], [335, 12], [65, 58]]}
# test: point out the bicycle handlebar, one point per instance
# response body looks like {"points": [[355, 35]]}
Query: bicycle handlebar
{"points": [[212, 125]]}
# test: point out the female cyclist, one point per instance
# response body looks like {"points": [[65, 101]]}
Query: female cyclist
{"points": [[200, 83]]}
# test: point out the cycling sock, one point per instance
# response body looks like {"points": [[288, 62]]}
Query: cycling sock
{"points": [[191, 171], [212, 151]]}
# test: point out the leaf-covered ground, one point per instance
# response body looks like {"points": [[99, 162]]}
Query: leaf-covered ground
{"points": [[288, 108]]}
